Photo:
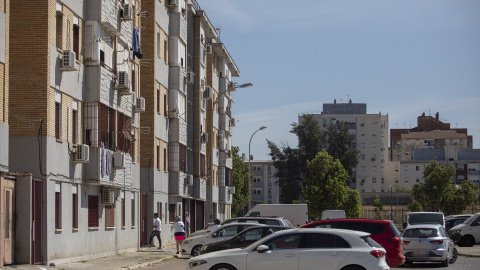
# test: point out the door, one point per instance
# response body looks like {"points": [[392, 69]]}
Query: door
{"points": [[37, 213], [8, 194], [323, 251], [283, 254], [143, 219]]}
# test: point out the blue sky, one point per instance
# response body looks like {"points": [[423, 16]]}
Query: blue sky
{"points": [[401, 57]]}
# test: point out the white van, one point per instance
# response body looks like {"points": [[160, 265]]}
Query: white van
{"points": [[467, 234], [414, 218], [297, 214], [333, 214]]}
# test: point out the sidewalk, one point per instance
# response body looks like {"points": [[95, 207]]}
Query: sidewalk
{"points": [[133, 260], [469, 251]]}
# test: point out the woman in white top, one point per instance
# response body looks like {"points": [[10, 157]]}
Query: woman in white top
{"points": [[179, 232]]}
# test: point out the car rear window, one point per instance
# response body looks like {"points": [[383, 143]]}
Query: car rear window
{"points": [[272, 222], [370, 241], [287, 222], [420, 233]]}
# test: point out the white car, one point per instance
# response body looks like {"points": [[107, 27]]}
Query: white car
{"points": [[193, 245], [299, 249]]}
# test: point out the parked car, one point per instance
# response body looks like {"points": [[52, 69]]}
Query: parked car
{"points": [[297, 214], [467, 234], [281, 221], [302, 249], [450, 223], [243, 238], [383, 232], [458, 216], [192, 245], [427, 243]]}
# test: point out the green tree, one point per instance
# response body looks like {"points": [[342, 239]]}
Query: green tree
{"points": [[414, 207], [340, 145], [378, 207], [240, 176], [438, 193], [325, 187]]}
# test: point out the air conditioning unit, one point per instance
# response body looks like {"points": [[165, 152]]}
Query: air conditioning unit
{"points": [[362, 125], [172, 3], [232, 122], [82, 153], [190, 78], [207, 93], [231, 190], [189, 180], [140, 104], [118, 159], [231, 85], [68, 61], [127, 14], [208, 49], [123, 85], [107, 196], [373, 159], [204, 137]]}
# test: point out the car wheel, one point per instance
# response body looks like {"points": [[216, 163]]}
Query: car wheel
{"points": [[445, 263], [353, 267], [223, 267], [196, 250], [454, 256], [467, 241]]}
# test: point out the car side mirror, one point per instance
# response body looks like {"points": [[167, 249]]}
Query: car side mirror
{"points": [[214, 235], [262, 249]]}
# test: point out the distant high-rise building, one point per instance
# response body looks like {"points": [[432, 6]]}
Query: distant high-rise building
{"points": [[264, 187]]}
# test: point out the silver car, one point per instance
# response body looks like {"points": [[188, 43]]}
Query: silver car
{"points": [[427, 243]]}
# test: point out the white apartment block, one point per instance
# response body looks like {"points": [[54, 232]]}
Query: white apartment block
{"points": [[374, 171], [264, 188]]}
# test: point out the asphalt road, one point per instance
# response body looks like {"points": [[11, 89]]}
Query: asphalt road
{"points": [[463, 263]]}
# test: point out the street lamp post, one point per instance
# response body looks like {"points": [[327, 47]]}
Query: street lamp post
{"points": [[391, 203], [249, 169]]}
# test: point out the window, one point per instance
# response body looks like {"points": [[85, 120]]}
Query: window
{"points": [[165, 159], [362, 168], [74, 126], [58, 213], [158, 98], [75, 206], [92, 211], [59, 30], [406, 179], [417, 168], [158, 155], [323, 240], [382, 180], [132, 206], [374, 180], [165, 104], [57, 120], [417, 180], [158, 42], [374, 145], [159, 211], [229, 231], [123, 211], [287, 241], [171, 213], [362, 156], [374, 134], [76, 40], [362, 133], [363, 145], [374, 168], [270, 191], [109, 216], [396, 180], [405, 168], [165, 48], [182, 157]]}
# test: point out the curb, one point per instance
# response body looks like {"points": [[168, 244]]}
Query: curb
{"points": [[140, 265]]}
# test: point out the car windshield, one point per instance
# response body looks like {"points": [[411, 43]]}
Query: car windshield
{"points": [[425, 218], [470, 219], [420, 233]]}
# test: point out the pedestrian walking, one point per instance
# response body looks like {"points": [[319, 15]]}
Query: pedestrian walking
{"points": [[187, 224], [179, 232], [157, 228]]}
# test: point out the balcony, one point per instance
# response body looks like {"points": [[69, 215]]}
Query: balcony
{"points": [[200, 189], [107, 13], [224, 195], [177, 79], [102, 169], [177, 184], [178, 26]]}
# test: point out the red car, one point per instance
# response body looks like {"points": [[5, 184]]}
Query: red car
{"points": [[383, 232]]}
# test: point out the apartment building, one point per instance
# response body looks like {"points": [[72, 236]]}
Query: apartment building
{"points": [[374, 172], [264, 187], [75, 131], [432, 139], [6, 186]]}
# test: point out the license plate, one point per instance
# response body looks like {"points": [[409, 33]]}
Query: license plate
{"points": [[420, 253]]}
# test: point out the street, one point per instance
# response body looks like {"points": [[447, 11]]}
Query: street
{"points": [[463, 263]]}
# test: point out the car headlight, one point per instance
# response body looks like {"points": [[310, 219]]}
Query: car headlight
{"points": [[204, 248], [197, 263], [187, 241], [455, 232]]}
